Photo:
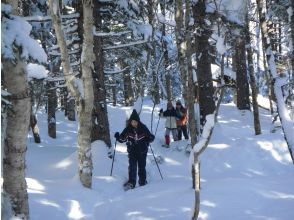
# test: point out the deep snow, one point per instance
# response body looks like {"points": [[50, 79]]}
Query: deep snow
{"points": [[243, 176]]}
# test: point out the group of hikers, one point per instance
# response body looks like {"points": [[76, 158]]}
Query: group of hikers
{"points": [[138, 137]]}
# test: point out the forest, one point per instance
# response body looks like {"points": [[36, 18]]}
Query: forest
{"points": [[194, 98]]}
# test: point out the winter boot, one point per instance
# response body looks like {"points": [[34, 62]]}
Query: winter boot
{"points": [[128, 185], [142, 183], [167, 140]]}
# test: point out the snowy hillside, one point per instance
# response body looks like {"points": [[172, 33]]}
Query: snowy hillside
{"points": [[243, 176]]}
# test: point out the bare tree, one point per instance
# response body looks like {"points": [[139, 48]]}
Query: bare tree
{"points": [[101, 128], [241, 73], [287, 124], [16, 134], [84, 98], [254, 90]]}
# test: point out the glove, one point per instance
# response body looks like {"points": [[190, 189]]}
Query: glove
{"points": [[116, 135], [151, 138], [161, 110]]}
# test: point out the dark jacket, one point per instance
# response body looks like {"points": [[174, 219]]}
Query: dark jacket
{"points": [[137, 139], [171, 116]]}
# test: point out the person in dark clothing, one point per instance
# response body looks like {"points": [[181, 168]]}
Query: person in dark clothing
{"points": [[170, 123], [181, 120], [138, 137]]}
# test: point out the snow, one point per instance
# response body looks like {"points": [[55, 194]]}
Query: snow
{"points": [[16, 31], [36, 71], [242, 174], [290, 12], [138, 104], [125, 45], [220, 46], [216, 72]]}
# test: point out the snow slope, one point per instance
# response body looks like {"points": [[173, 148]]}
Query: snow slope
{"points": [[243, 176]]}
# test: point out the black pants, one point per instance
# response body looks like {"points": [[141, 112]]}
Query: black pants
{"points": [[137, 159], [183, 129]]}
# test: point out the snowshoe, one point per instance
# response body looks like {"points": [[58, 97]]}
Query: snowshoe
{"points": [[188, 149], [159, 160], [128, 185], [143, 183], [109, 154]]}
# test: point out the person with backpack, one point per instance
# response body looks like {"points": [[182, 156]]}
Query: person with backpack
{"points": [[137, 137], [181, 120], [170, 124]]}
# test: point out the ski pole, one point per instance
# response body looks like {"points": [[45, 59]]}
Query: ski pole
{"points": [[156, 162], [157, 125], [113, 158]]}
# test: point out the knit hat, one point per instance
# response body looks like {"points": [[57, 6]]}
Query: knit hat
{"points": [[178, 102], [134, 116]]}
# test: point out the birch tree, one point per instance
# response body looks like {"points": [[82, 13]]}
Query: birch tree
{"points": [[181, 45], [16, 49], [278, 81], [84, 96]]}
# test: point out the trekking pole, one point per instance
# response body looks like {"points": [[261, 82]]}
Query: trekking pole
{"points": [[156, 161], [113, 158], [157, 125]]}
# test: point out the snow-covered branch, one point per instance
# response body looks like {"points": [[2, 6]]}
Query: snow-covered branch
{"points": [[125, 45], [109, 34], [111, 72], [48, 18]]}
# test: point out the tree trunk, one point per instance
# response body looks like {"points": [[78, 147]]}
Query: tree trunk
{"points": [[241, 76], [191, 85], [292, 37], [34, 127], [181, 45], [287, 123], [86, 106], [114, 101], [128, 91], [252, 79], [166, 59], [71, 112], [101, 128], [51, 94], [155, 88], [18, 119], [204, 75], [84, 100]]}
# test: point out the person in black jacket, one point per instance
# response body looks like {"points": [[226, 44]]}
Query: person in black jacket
{"points": [[138, 137]]}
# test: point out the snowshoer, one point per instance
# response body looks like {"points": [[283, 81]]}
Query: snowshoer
{"points": [[138, 137], [170, 124], [181, 120]]}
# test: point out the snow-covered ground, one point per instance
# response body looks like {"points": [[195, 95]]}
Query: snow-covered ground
{"points": [[243, 176]]}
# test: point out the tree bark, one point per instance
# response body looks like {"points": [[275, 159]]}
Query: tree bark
{"points": [[292, 37], [18, 119], [51, 94], [34, 127], [241, 76], [84, 100], [204, 75], [101, 128], [181, 45], [86, 106], [166, 59], [155, 88], [71, 112], [252, 78], [191, 85], [287, 123]]}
